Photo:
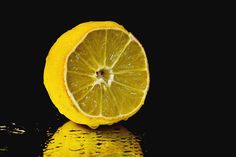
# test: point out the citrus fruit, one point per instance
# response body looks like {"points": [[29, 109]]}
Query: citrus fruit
{"points": [[97, 73], [76, 140]]}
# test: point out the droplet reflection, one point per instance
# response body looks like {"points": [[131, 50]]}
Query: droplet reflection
{"points": [[76, 140]]}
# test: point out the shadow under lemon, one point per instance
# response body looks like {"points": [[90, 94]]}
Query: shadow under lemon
{"points": [[76, 140]]}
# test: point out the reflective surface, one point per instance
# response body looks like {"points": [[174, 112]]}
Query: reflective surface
{"points": [[65, 138], [76, 140]]}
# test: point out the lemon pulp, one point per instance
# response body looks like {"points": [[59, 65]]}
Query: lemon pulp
{"points": [[106, 74]]}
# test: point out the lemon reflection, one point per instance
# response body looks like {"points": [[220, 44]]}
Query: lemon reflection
{"points": [[76, 140]]}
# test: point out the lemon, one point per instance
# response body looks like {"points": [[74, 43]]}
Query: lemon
{"points": [[97, 73], [76, 140]]}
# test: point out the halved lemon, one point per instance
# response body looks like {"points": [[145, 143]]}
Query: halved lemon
{"points": [[97, 73]]}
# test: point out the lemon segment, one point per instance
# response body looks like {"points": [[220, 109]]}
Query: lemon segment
{"points": [[115, 44], [94, 42], [135, 79], [132, 58], [76, 63]]}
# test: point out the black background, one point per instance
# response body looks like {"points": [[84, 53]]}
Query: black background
{"points": [[168, 32]]}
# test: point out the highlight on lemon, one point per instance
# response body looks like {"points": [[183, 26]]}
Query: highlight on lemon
{"points": [[97, 74]]}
